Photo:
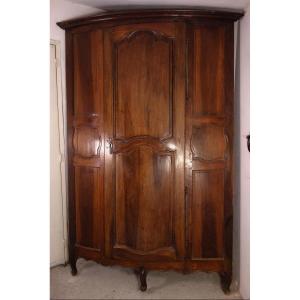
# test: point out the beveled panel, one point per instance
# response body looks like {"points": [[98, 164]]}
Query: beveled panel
{"points": [[209, 84], [88, 207], [144, 199], [87, 141], [143, 85], [208, 142], [207, 210]]}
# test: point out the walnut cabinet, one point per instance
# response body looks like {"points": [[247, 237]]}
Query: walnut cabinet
{"points": [[150, 136]]}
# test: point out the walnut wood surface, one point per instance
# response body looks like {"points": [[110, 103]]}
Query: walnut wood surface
{"points": [[143, 109], [141, 15], [150, 135]]}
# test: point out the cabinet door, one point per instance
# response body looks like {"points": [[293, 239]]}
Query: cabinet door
{"points": [[209, 140], [144, 136]]}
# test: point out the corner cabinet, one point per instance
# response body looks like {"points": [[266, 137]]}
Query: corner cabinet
{"points": [[150, 135]]}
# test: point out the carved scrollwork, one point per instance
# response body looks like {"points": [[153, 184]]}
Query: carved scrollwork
{"points": [[209, 142], [86, 141], [119, 145], [157, 36]]}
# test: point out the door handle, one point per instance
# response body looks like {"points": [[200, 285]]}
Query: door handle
{"points": [[110, 146], [248, 142]]}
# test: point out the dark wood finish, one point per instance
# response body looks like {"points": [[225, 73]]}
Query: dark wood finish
{"points": [[207, 207], [209, 137], [143, 164], [143, 279], [71, 179], [225, 278], [150, 14], [142, 275], [85, 142], [150, 132]]}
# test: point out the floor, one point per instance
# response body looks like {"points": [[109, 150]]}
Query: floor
{"points": [[95, 281]]}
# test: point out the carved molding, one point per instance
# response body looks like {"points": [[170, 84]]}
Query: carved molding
{"points": [[209, 142], [158, 36], [165, 146], [125, 251], [86, 141]]}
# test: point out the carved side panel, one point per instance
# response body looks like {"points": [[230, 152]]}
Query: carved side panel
{"points": [[86, 138], [87, 141], [143, 63], [208, 142], [209, 139]]}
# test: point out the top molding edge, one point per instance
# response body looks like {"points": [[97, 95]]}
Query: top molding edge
{"points": [[107, 16]]}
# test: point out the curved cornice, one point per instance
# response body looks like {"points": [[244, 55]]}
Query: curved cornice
{"points": [[152, 14]]}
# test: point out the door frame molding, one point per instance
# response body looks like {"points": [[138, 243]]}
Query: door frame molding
{"points": [[62, 144]]}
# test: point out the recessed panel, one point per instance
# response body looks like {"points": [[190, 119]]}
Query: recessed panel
{"points": [[209, 85], [144, 199], [143, 85], [88, 209], [88, 78], [208, 142], [207, 214]]}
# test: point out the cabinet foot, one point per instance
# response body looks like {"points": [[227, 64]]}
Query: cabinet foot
{"points": [[225, 281], [73, 267], [142, 274]]}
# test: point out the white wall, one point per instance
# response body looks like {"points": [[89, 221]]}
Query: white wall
{"points": [[58, 224], [244, 154]]}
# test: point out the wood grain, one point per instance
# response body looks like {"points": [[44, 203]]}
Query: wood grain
{"points": [[208, 89], [145, 156], [143, 100], [150, 139], [207, 214], [111, 17], [209, 136], [208, 142], [86, 120]]}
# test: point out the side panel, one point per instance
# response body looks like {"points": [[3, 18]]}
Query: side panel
{"points": [[207, 214], [209, 64], [144, 127], [209, 141], [85, 141]]}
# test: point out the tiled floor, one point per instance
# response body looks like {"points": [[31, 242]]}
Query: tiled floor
{"points": [[95, 281]]}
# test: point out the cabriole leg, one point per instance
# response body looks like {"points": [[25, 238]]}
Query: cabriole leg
{"points": [[143, 279], [225, 281], [73, 266], [142, 274]]}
